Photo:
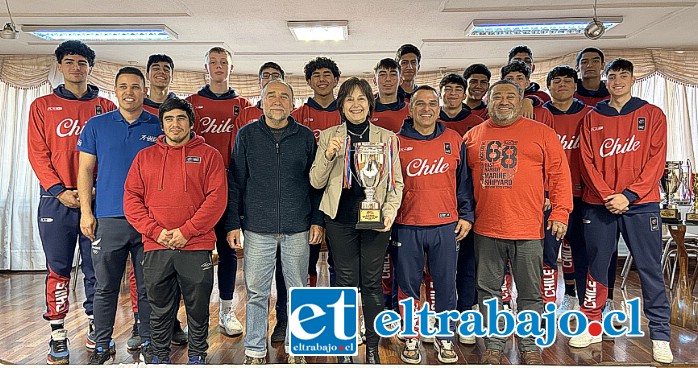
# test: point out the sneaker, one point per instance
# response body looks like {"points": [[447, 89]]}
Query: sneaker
{"points": [[362, 330], [296, 359], [178, 335], [608, 308], [229, 322], [410, 353], [58, 352], [147, 356], [279, 333], [444, 351], [100, 357], [196, 359], [584, 340], [134, 342], [569, 303], [254, 361], [90, 339], [491, 356], [467, 340], [533, 357], [661, 352], [432, 326]]}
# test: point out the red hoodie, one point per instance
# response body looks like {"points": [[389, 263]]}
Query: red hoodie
{"points": [[181, 187]]}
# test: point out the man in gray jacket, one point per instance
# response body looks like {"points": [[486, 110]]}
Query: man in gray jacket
{"points": [[271, 200]]}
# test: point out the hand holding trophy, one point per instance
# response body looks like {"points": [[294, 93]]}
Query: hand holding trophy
{"points": [[369, 160]]}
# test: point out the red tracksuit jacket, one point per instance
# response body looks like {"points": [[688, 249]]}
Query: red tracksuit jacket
{"points": [[249, 114], [623, 152], [462, 122], [172, 187], [566, 124], [390, 116], [216, 118], [591, 98], [481, 111], [55, 123], [316, 117]]}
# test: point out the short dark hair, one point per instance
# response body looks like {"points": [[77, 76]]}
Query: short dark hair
{"points": [[273, 65], [348, 87], [477, 69], [156, 58], [618, 65], [505, 81], [408, 49], [388, 64], [589, 49], [319, 63], [74, 47], [130, 70], [452, 78], [177, 103], [520, 48], [561, 71], [425, 87], [516, 66]]}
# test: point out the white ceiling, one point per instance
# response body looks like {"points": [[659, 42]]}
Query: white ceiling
{"points": [[256, 32]]}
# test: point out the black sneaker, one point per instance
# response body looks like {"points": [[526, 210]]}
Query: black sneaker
{"points": [[147, 354], [279, 333], [179, 337], [100, 356], [58, 352]]}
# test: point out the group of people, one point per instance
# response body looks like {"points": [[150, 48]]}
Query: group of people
{"points": [[486, 182]]}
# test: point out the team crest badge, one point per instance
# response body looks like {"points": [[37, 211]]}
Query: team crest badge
{"points": [[640, 123], [447, 148], [236, 110]]}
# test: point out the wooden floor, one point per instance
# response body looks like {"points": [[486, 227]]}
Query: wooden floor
{"points": [[24, 334]]}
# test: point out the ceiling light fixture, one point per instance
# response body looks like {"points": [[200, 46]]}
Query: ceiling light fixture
{"points": [[534, 27], [110, 32], [324, 30], [594, 29], [9, 31]]}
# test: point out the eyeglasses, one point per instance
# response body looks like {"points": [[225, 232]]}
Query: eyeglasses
{"points": [[271, 75]]}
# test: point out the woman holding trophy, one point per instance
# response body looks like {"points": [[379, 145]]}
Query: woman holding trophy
{"points": [[357, 164]]}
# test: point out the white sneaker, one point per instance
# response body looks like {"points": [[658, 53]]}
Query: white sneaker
{"points": [[432, 324], [584, 340], [661, 352], [229, 322], [569, 303], [467, 340]]}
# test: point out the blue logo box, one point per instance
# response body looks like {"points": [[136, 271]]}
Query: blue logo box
{"points": [[323, 321]]}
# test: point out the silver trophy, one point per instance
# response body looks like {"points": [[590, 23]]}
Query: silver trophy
{"points": [[369, 160], [673, 174]]}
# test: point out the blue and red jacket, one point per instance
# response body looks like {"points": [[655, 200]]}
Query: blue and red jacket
{"points": [[462, 122], [438, 187], [316, 117], [624, 152], [589, 97]]}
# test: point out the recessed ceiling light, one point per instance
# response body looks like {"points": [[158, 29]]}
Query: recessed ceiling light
{"points": [[112, 32], [319, 30]]}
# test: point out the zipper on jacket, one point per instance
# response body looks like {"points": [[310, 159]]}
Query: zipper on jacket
{"points": [[278, 188]]}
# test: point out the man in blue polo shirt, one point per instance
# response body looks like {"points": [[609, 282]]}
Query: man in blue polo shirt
{"points": [[113, 139]]}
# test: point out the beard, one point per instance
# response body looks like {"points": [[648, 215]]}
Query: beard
{"points": [[505, 117]]}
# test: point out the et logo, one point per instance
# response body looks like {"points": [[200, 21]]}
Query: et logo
{"points": [[323, 321]]}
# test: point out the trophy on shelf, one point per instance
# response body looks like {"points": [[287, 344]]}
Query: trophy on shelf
{"points": [[671, 180], [692, 215], [369, 160]]}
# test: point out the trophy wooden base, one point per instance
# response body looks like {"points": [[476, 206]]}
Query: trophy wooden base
{"points": [[683, 303], [370, 219], [692, 218], [670, 215]]}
